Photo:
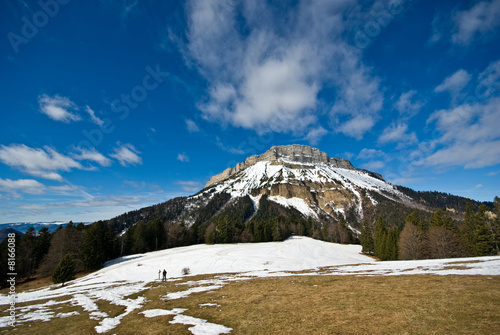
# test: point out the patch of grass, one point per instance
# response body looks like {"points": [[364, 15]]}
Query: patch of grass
{"points": [[466, 262]]}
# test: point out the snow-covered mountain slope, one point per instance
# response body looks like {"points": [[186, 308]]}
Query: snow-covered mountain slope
{"points": [[306, 179]]}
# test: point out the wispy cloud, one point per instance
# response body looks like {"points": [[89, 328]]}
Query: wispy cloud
{"points": [[192, 127], [93, 117], [470, 136], [371, 153], [92, 155], [58, 108], [314, 135], [479, 20], [44, 163], [398, 133], [373, 165], [407, 105], [183, 157], [29, 186], [454, 84], [190, 186], [127, 155]]}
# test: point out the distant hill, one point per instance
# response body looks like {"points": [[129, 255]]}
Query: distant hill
{"points": [[6, 231], [22, 227]]}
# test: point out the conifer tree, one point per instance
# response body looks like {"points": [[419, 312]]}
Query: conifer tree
{"points": [[495, 226], [483, 237], [379, 238], [467, 231], [65, 271], [366, 238], [440, 219], [94, 246], [416, 220]]}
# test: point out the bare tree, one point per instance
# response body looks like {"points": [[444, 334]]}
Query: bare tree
{"points": [[413, 243], [443, 243]]}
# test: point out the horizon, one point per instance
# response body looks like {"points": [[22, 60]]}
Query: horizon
{"points": [[113, 106]]}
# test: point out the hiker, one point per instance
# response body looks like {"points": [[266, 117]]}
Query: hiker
{"points": [[164, 275], [159, 273]]}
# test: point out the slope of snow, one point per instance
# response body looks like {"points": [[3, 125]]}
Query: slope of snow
{"points": [[264, 174], [296, 203], [125, 276]]}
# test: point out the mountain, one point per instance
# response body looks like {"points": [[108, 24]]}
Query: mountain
{"points": [[6, 231], [24, 226], [292, 189]]}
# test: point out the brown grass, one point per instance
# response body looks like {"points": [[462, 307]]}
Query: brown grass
{"points": [[421, 304]]}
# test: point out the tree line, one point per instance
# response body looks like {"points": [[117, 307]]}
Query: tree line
{"points": [[440, 237]]}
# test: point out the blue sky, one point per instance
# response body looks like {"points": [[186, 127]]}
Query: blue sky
{"points": [[108, 106]]}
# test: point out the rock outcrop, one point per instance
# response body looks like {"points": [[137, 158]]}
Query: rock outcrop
{"points": [[299, 154]]}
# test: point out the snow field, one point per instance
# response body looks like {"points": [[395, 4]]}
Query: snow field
{"points": [[125, 276]]}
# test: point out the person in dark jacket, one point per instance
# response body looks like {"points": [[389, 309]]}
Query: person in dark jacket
{"points": [[164, 275]]}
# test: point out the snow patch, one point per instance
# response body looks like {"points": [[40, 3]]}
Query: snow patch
{"points": [[200, 326], [297, 203]]}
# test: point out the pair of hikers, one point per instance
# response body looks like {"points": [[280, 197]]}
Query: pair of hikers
{"points": [[164, 275]]}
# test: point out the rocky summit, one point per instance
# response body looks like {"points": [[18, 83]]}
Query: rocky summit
{"points": [[306, 179]]}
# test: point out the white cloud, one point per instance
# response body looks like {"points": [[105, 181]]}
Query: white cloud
{"points": [[192, 127], [29, 186], [373, 165], [92, 155], [183, 157], [479, 186], [58, 108], [96, 202], [470, 136], [93, 117], [229, 149], [37, 162], [454, 83], [489, 81], [479, 20], [405, 105], [468, 155], [127, 154], [190, 186], [371, 153], [397, 133], [314, 135], [268, 78]]}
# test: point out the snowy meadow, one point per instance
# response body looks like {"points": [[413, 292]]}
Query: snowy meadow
{"points": [[129, 291]]}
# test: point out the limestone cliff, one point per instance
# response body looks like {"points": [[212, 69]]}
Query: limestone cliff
{"points": [[302, 154]]}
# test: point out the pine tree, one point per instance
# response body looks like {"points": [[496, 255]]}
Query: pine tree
{"points": [[440, 219], [380, 237], [467, 230], [483, 237], [392, 244], [416, 220], [366, 238], [94, 246], [65, 271], [495, 226]]}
